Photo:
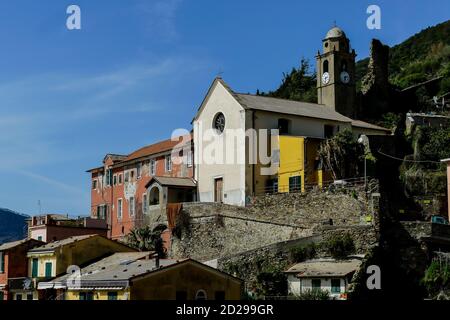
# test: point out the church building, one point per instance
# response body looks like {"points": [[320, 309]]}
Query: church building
{"points": [[231, 129]]}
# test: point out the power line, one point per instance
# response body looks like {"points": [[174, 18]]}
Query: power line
{"points": [[406, 160]]}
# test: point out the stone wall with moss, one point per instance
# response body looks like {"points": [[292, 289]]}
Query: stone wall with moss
{"points": [[212, 230]]}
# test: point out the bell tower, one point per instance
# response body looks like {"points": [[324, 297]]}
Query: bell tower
{"points": [[336, 86]]}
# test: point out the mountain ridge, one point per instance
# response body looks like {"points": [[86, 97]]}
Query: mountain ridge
{"points": [[13, 225]]}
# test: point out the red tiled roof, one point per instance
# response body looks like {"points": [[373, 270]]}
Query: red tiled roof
{"points": [[155, 148], [162, 146]]}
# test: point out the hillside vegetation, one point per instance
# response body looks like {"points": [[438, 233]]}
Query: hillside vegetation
{"points": [[424, 56], [12, 225]]}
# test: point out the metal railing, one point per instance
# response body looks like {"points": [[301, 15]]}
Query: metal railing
{"points": [[307, 187]]}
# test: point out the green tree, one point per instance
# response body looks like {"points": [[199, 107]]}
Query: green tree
{"points": [[299, 85], [341, 155], [147, 239], [340, 247], [437, 277], [435, 143]]}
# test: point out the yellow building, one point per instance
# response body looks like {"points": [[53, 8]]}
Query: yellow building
{"points": [[299, 166], [138, 276], [53, 259]]}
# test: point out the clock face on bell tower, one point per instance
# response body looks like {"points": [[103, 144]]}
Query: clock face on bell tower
{"points": [[336, 73]]}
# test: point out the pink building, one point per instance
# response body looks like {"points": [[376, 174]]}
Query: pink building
{"points": [[54, 227]]}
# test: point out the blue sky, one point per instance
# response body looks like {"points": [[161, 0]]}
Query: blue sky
{"points": [[139, 69]]}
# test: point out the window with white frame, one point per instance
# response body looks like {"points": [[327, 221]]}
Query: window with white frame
{"points": [[168, 163], [127, 176], [132, 206], [119, 209], [189, 159], [120, 178], [138, 170], [152, 167], [201, 295]]}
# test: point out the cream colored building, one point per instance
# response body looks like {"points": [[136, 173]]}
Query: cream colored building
{"points": [[225, 166]]}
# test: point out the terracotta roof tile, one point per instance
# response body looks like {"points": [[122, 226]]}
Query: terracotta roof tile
{"points": [[155, 148]]}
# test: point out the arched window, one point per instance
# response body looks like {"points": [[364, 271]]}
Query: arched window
{"points": [[154, 196], [325, 66], [201, 295], [344, 66]]}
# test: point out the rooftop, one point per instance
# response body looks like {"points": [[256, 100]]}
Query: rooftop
{"points": [[171, 181], [325, 268], [305, 109], [13, 244], [60, 243], [152, 149], [114, 271]]}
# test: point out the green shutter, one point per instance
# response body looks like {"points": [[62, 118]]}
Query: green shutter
{"points": [[34, 268], [316, 284], [112, 295], [2, 262], [335, 285], [48, 269], [2, 296]]}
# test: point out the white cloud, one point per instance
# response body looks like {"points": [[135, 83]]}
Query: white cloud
{"points": [[160, 18]]}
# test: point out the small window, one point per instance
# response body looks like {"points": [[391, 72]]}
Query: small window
{"points": [[295, 184], [328, 131], [335, 285], [94, 184], [201, 295], [283, 126], [132, 206], [119, 209], [112, 295], [127, 176], [48, 269], [325, 66], [152, 167], [2, 262], [115, 180], [2, 296], [189, 159], [138, 170], [120, 178], [18, 296], [132, 174], [108, 177], [86, 296], [168, 163], [316, 284], [29, 296], [34, 268], [101, 211]]}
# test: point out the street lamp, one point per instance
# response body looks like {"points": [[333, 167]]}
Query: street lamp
{"points": [[364, 141]]}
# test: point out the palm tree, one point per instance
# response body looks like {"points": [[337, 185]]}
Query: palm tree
{"points": [[147, 239]]}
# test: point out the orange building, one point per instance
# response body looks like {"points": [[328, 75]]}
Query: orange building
{"points": [[119, 194]]}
